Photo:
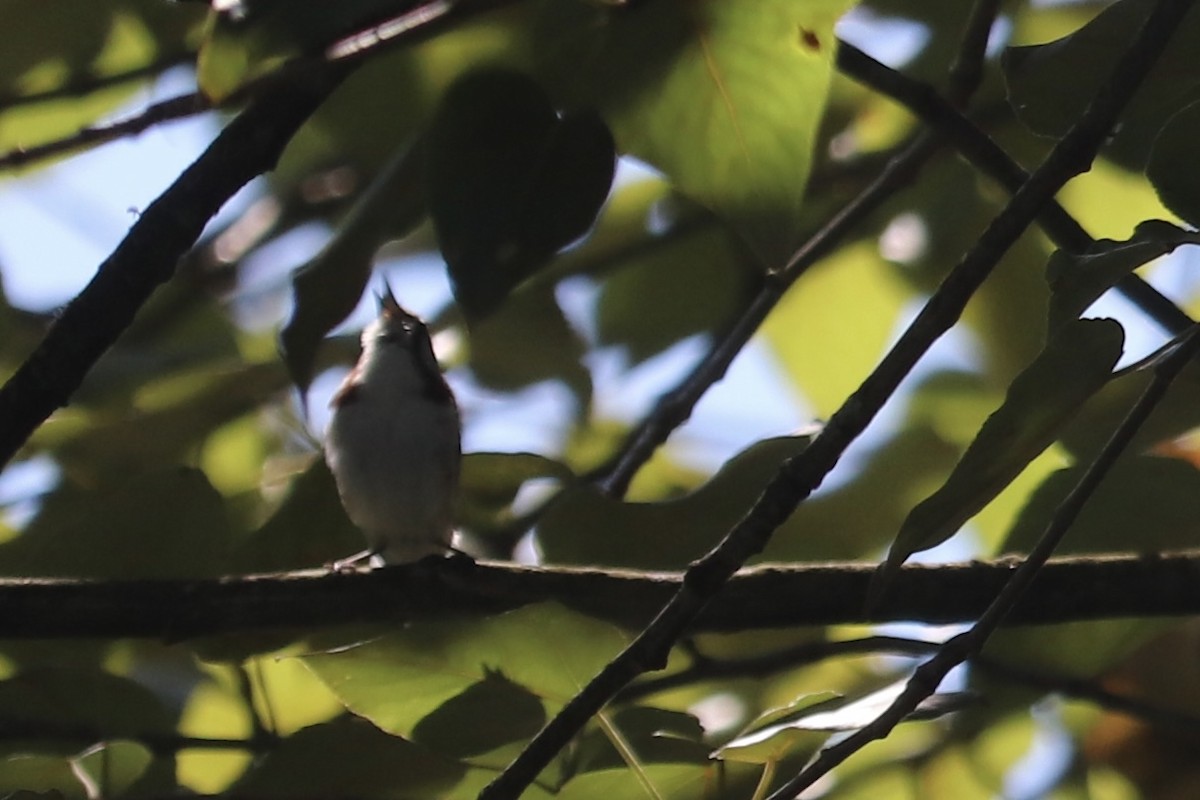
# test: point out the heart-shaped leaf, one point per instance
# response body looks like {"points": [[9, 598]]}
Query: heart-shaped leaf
{"points": [[511, 182]]}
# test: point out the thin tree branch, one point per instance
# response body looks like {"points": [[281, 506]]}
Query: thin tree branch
{"points": [[1068, 590], [800, 476], [185, 105], [704, 669], [87, 83], [1089, 691]]}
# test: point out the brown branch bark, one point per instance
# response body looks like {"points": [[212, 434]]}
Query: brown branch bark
{"points": [[1068, 589]]}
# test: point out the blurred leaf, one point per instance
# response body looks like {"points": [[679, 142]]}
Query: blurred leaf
{"points": [[726, 103], [63, 710], [544, 649], [1146, 504], [164, 419], [33, 777], [170, 523], [49, 48], [527, 341], [1172, 164], [214, 710], [349, 758], [490, 482], [694, 283], [831, 327], [584, 526], [1175, 415], [1050, 85], [329, 286], [45, 48], [510, 182], [123, 768], [1079, 280], [309, 528], [1076, 362], [392, 96]]}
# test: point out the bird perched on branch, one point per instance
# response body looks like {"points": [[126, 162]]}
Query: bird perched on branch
{"points": [[394, 441]]}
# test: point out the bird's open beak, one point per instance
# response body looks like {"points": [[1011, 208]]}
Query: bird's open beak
{"points": [[387, 303]]}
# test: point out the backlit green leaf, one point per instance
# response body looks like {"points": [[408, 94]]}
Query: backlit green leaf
{"points": [[1075, 363]]}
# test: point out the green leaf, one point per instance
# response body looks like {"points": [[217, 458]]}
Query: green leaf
{"points": [[78, 41], [255, 37], [1076, 362], [545, 649], [670, 782], [695, 283], [832, 326], [125, 769], [585, 526], [656, 735], [779, 733], [490, 482], [329, 286], [857, 519], [511, 182], [726, 103], [1146, 504], [1078, 280], [1050, 85], [349, 758], [161, 423], [170, 523], [86, 705], [1172, 164], [487, 715], [527, 341], [308, 529]]}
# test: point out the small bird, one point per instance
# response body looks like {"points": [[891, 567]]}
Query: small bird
{"points": [[394, 442]]}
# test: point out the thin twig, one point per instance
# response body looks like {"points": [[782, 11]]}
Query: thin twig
{"points": [[87, 83], [174, 108], [704, 669]]}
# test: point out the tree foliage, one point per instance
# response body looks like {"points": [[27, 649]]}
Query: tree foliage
{"points": [[600, 195]]}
